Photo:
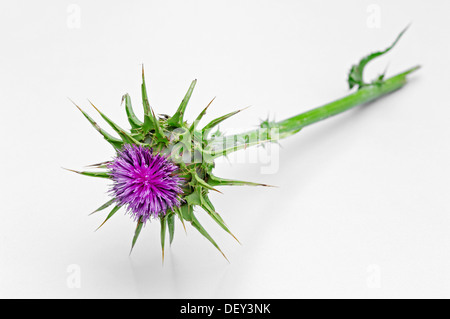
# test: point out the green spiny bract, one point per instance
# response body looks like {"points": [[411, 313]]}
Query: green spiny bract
{"points": [[355, 76]]}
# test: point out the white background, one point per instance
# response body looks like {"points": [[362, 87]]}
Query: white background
{"points": [[361, 209]]}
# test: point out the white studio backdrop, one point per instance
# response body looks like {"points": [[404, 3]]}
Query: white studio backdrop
{"points": [[361, 209]]}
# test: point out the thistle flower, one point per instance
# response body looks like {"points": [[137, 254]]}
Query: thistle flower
{"points": [[164, 165], [146, 183]]}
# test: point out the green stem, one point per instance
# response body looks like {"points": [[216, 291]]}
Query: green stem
{"points": [[294, 124]]}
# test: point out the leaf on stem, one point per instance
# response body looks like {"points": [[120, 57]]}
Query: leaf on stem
{"points": [[355, 77]]}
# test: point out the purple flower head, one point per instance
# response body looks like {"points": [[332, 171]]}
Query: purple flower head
{"points": [[144, 182]]}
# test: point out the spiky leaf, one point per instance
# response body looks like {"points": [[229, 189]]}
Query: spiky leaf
{"points": [[150, 120], [132, 118], [208, 127], [205, 234], [92, 174], [209, 208], [136, 233], [116, 143], [177, 211], [163, 234], [105, 205], [126, 137], [177, 119], [111, 214], [199, 117], [171, 225], [218, 181]]}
